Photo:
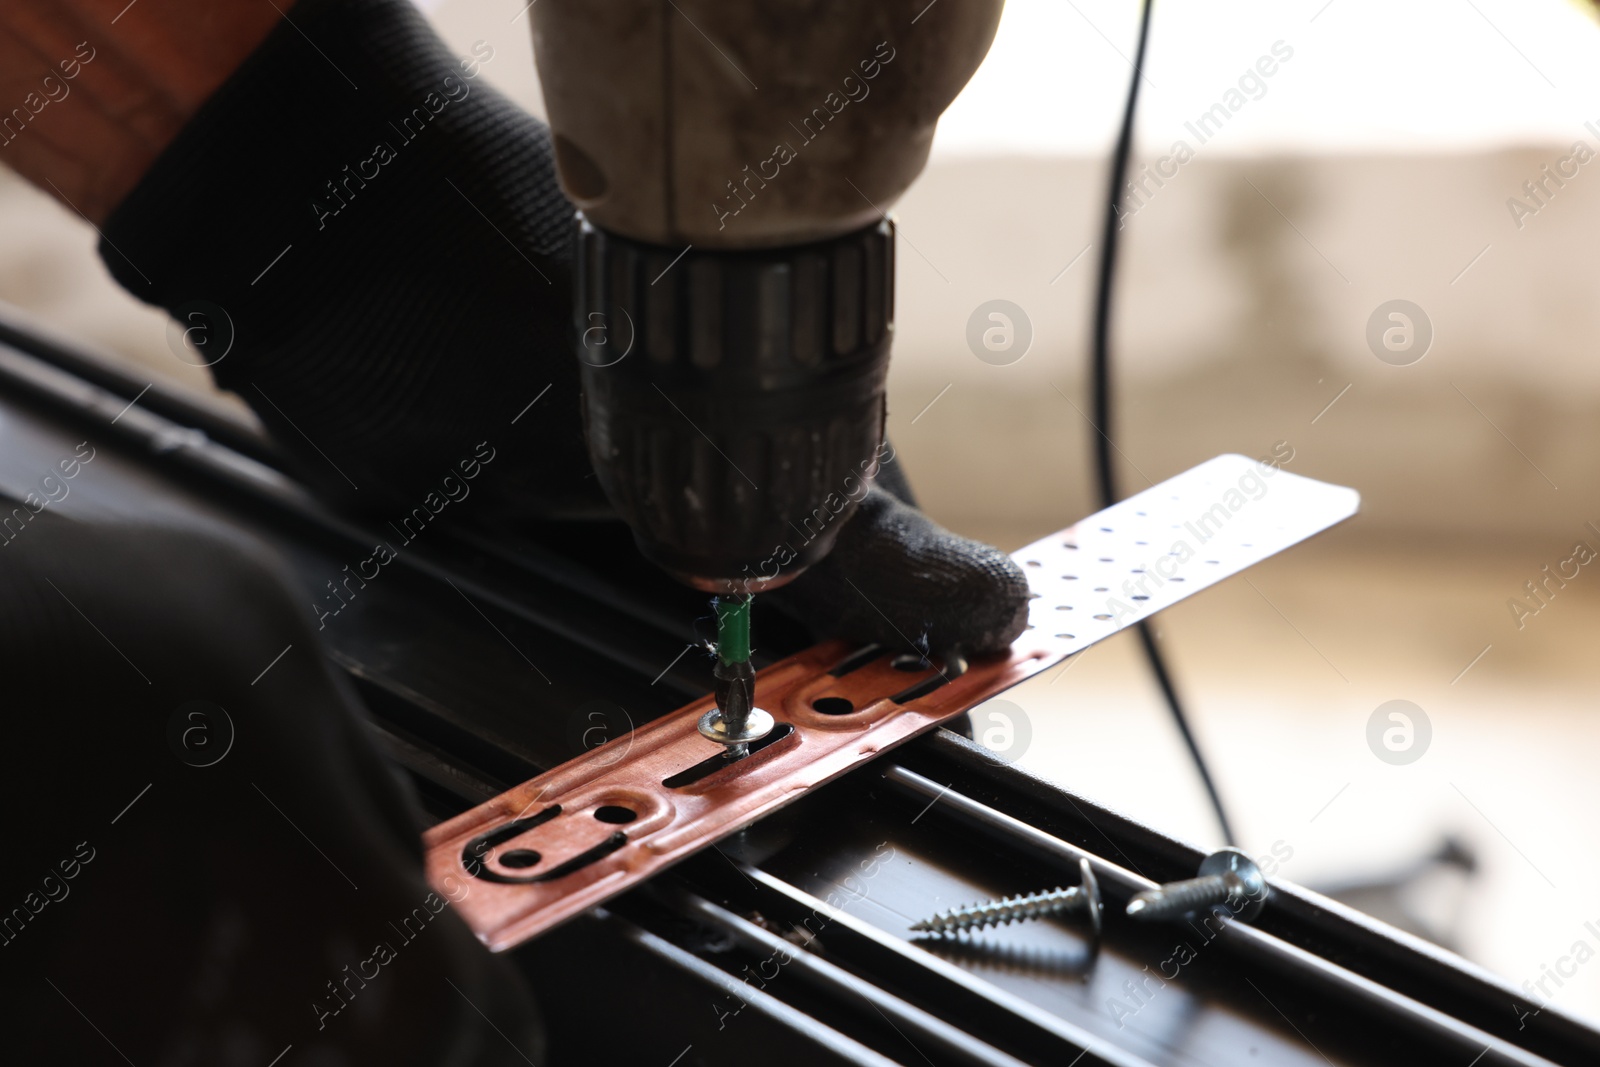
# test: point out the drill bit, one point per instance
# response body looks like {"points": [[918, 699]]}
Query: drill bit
{"points": [[733, 627], [735, 687], [735, 721]]}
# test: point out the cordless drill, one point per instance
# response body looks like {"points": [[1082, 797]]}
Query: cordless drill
{"points": [[732, 164]]}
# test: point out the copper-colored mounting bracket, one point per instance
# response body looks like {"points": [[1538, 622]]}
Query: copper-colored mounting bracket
{"points": [[573, 837]]}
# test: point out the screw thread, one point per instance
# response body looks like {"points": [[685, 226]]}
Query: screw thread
{"points": [[1177, 899], [1004, 911]]}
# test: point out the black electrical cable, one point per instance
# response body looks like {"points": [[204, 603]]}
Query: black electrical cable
{"points": [[1100, 386]]}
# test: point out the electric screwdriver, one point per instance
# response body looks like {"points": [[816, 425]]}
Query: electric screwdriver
{"points": [[732, 166]]}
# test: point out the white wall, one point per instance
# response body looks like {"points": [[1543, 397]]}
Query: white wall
{"points": [[1244, 298]]}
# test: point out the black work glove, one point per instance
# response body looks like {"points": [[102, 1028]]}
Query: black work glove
{"points": [[391, 255]]}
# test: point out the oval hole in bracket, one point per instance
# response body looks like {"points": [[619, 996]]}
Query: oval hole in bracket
{"points": [[519, 858]]}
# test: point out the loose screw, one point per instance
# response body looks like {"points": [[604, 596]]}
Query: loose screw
{"points": [[1226, 876], [1080, 898]]}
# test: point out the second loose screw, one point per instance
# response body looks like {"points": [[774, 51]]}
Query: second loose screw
{"points": [[1083, 898]]}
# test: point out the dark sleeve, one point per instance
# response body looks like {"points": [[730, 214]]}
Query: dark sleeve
{"points": [[374, 249], [205, 841]]}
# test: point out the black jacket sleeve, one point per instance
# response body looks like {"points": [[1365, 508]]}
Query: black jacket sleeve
{"points": [[206, 844], [370, 247]]}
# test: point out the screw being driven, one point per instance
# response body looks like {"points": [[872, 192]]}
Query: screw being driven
{"points": [[1080, 898], [735, 722], [1226, 877]]}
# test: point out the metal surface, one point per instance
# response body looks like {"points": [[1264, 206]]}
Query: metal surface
{"points": [[464, 713], [1339, 983], [1089, 581]]}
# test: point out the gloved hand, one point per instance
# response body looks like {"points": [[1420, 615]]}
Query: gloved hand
{"points": [[372, 246]]}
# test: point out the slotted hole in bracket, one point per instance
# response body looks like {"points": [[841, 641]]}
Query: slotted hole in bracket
{"points": [[954, 667], [833, 706], [615, 814], [707, 767], [520, 858], [856, 660], [500, 835], [473, 854], [582, 859]]}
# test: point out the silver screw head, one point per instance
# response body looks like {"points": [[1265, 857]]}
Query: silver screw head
{"points": [[757, 724], [1246, 883], [1091, 895], [1227, 877]]}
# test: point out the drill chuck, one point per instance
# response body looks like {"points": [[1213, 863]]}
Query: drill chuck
{"points": [[734, 401]]}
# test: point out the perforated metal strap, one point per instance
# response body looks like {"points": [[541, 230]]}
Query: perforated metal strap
{"points": [[563, 842]]}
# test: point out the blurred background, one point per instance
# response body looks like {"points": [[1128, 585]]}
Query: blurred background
{"points": [[1381, 160]]}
